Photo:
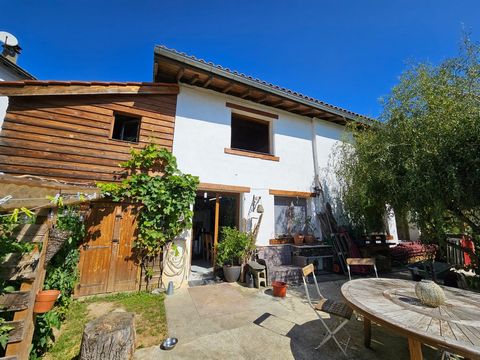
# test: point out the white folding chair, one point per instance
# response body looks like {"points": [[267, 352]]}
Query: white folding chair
{"points": [[361, 261], [338, 309]]}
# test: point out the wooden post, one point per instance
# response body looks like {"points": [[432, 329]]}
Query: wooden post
{"points": [[215, 233], [367, 332], [415, 348]]}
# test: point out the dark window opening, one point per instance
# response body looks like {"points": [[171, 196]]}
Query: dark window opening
{"points": [[250, 134], [126, 128]]}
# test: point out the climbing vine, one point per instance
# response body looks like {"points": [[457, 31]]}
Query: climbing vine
{"points": [[153, 180]]}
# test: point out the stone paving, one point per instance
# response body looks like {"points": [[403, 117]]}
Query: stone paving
{"points": [[229, 321]]}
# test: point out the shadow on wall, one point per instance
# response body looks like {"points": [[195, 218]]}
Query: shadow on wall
{"points": [[331, 213]]}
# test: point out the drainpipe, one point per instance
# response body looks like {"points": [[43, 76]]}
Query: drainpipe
{"points": [[315, 167]]}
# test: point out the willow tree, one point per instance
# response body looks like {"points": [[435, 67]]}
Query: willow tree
{"points": [[423, 157]]}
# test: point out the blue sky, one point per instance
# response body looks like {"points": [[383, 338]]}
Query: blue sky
{"points": [[347, 53]]}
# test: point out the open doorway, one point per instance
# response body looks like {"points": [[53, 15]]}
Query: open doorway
{"points": [[212, 210]]}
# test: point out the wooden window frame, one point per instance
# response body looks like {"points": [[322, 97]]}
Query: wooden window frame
{"points": [[112, 126], [254, 116]]}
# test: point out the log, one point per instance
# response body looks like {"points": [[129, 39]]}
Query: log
{"points": [[110, 337]]}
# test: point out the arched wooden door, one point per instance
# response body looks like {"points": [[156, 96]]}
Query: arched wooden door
{"points": [[106, 258]]}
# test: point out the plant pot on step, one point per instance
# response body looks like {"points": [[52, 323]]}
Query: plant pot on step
{"points": [[309, 239], [298, 239], [45, 300], [279, 288], [56, 238], [231, 273]]}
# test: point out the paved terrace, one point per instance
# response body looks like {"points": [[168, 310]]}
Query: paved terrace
{"points": [[228, 321]]}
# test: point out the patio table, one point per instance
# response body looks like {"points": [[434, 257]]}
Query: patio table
{"points": [[454, 326]]}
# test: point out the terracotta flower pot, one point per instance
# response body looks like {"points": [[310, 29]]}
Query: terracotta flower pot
{"points": [[298, 239], [279, 288], [309, 239], [44, 300]]}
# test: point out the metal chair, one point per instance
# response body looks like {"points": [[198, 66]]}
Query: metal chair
{"points": [[337, 309], [363, 262]]}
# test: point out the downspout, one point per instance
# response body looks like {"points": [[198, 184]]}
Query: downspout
{"points": [[317, 183]]}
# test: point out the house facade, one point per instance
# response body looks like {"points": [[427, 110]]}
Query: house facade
{"points": [[264, 156], [252, 143]]}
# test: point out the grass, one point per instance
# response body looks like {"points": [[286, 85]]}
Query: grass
{"points": [[150, 321]]}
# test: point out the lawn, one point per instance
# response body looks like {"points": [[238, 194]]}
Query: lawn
{"points": [[150, 321]]}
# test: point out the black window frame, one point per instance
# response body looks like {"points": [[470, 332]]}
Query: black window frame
{"points": [[125, 118]]}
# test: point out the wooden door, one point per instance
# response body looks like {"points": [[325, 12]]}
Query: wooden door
{"points": [[106, 261]]}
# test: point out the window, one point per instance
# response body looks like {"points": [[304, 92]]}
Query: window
{"points": [[126, 128], [290, 214], [250, 134]]}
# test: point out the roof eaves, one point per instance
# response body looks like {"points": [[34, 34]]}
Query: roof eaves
{"points": [[16, 68], [260, 84]]}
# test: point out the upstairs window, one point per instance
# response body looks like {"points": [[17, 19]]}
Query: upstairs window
{"points": [[126, 128], [250, 134]]}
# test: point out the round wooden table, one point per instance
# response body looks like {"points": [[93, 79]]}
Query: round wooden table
{"points": [[454, 326]]}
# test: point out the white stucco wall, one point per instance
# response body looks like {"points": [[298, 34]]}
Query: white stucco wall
{"points": [[202, 132], [6, 74]]}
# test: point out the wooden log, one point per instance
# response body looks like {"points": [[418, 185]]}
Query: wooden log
{"points": [[110, 337]]}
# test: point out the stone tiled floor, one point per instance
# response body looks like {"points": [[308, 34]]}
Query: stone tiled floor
{"points": [[228, 321]]}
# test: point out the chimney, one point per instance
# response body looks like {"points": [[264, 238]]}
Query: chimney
{"points": [[11, 52]]}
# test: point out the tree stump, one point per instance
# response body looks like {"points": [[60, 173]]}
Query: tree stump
{"points": [[110, 337]]}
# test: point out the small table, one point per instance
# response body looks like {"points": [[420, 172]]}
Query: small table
{"points": [[454, 326]]}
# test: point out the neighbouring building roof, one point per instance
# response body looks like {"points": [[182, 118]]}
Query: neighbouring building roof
{"points": [[40, 87], [14, 67], [174, 66]]}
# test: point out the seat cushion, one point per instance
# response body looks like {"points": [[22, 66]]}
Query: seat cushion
{"points": [[335, 308]]}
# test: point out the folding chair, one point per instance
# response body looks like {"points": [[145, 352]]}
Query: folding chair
{"points": [[361, 262], [335, 308]]}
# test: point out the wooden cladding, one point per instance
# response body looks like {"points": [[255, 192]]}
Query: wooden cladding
{"points": [[68, 137], [250, 110]]}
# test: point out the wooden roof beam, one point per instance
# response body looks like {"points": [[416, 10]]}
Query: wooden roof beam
{"points": [[246, 94], [277, 103], [228, 88], [195, 78], [263, 99], [180, 74], [208, 82]]}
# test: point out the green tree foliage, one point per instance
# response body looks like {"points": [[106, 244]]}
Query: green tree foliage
{"points": [[153, 180], [423, 158]]}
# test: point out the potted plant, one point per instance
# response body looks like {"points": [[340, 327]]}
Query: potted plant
{"points": [[299, 226], [309, 230], [232, 251]]}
